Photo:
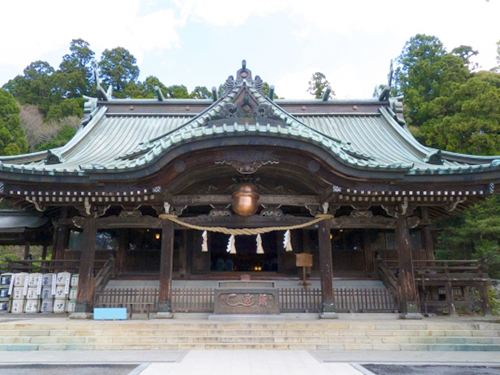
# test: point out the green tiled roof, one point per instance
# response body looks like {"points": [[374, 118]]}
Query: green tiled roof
{"points": [[117, 143]]}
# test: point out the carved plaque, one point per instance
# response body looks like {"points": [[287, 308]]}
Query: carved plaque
{"points": [[304, 260]]}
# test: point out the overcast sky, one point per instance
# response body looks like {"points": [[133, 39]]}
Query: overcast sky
{"points": [[201, 42]]}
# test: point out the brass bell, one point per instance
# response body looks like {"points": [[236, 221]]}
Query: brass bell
{"points": [[245, 199]]}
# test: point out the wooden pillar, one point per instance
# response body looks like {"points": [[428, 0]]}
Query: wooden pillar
{"points": [[483, 292], [450, 299], [427, 236], [61, 237], [26, 250], [123, 243], [406, 281], [306, 246], [189, 252], [369, 258], [183, 253], [326, 269], [44, 252], [167, 255], [85, 295]]}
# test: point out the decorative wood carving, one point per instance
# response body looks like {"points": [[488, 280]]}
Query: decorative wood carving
{"points": [[247, 162], [134, 213], [399, 210], [271, 212], [220, 212], [362, 213]]}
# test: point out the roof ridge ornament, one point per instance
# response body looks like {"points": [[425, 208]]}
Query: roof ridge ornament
{"points": [[53, 157], [101, 94], [384, 95], [434, 157]]}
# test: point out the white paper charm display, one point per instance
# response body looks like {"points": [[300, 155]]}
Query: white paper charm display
{"points": [[287, 243], [231, 246], [204, 246], [260, 249]]}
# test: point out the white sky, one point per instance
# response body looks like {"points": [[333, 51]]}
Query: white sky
{"points": [[201, 42]]}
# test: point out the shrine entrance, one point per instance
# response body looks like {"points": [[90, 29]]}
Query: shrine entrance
{"points": [[247, 259]]}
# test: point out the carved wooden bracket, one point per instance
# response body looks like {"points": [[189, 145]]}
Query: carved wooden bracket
{"points": [[271, 212], [325, 208], [91, 210], [399, 210], [247, 161]]}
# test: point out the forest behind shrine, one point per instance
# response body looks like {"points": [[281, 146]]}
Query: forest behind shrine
{"points": [[450, 103]]}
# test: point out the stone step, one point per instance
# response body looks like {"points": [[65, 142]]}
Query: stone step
{"points": [[172, 325], [184, 335], [249, 346]]}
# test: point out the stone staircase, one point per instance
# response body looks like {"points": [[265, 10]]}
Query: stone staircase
{"points": [[396, 335]]}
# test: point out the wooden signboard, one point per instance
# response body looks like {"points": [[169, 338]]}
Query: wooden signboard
{"points": [[304, 260]]}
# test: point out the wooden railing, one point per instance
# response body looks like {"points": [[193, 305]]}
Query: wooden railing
{"points": [[446, 267], [346, 300], [387, 276], [183, 300], [105, 274], [48, 266], [437, 278], [291, 299]]}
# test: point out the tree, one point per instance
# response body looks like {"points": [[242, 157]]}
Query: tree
{"points": [[37, 86], [177, 92], [466, 53], [77, 70], [201, 92], [12, 140], [419, 48], [118, 68], [474, 234], [466, 119], [318, 85], [63, 136]]}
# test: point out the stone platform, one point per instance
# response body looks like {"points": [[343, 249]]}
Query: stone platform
{"points": [[58, 333]]}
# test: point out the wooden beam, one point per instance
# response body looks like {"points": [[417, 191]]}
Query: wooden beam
{"points": [[85, 295], [205, 200], [326, 270], [167, 253]]}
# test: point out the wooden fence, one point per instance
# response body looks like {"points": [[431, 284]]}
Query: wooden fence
{"points": [[291, 299]]}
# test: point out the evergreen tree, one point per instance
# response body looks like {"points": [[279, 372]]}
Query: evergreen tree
{"points": [[318, 85], [118, 68], [12, 140]]}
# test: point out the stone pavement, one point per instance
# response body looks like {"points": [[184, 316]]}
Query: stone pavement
{"points": [[249, 362]]}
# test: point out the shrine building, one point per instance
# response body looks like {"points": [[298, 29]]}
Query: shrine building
{"points": [[204, 189]]}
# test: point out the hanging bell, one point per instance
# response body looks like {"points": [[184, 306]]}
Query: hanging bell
{"points": [[245, 199]]}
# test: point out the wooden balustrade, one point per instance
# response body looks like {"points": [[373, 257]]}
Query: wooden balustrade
{"points": [[291, 299]]}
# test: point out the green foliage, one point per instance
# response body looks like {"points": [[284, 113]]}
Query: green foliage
{"points": [[66, 108], [177, 92], [37, 86], [318, 85], [76, 69], [474, 234], [201, 92], [63, 136], [12, 140], [494, 300], [118, 68], [465, 119]]}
